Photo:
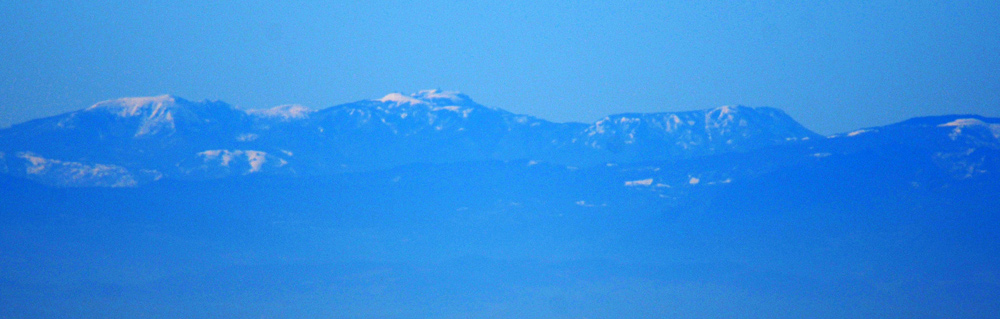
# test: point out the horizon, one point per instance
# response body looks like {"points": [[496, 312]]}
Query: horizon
{"points": [[472, 98]]}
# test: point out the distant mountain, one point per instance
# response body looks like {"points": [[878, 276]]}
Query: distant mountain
{"points": [[131, 141], [963, 146], [655, 136]]}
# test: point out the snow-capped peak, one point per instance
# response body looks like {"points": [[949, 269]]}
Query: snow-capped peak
{"points": [[400, 99], [158, 114], [428, 97], [959, 124], [452, 97], [965, 122], [433, 100], [132, 106]]}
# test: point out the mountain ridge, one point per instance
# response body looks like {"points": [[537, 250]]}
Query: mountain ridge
{"points": [[133, 141]]}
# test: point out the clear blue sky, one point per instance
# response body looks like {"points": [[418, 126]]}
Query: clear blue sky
{"points": [[834, 67]]}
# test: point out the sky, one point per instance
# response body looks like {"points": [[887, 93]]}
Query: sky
{"points": [[832, 66]]}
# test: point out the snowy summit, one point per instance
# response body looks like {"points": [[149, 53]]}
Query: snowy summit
{"points": [[435, 97], [133, 106]]}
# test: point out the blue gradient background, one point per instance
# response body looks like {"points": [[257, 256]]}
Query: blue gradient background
{"points": [[833, 67]]}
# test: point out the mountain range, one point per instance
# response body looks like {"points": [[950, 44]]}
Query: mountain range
{"points": [[133, 141]]}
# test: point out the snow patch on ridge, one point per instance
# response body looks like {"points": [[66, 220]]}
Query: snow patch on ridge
{"points": [[959, 124], [400, 99], [641, 182], [453, 108], [284, 112], [452, 96], [428, 97], [254, 159], [133, 106], [858, 132], [76, 174]]}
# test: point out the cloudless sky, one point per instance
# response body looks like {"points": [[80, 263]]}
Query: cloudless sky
{"points": [[834, 67]]}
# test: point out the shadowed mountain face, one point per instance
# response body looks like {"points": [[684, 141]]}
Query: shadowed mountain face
{"points": [[430, 205], [132, 141]]}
